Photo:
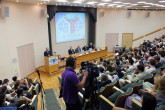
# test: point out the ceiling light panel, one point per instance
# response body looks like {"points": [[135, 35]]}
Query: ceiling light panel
{"points": [[117, 2], [102, 3], [92, 2]]}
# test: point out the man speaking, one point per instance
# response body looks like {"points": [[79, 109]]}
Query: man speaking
{"points": [[71, 83]]}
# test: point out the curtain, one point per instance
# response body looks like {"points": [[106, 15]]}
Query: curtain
{"points": [[52, 10]]}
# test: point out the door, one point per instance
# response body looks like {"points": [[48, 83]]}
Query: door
{"points": [[127, 40], [26, 59], [111, 39]]}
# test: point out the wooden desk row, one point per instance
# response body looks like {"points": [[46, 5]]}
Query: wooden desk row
{"points": [[79, 59]]}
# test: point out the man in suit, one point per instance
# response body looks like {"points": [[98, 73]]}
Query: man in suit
{"points": [[71, 51], [85, 48], [78, 49], [91, 46], [47, 52]]}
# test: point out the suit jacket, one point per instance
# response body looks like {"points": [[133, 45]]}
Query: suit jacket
{"points": [[85, 48], [71, 51], [46, 53], [91, 47], [77, 50]]}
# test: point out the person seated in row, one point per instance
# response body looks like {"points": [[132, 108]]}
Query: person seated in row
{"points": [[78, 49], [3, 102], [6, 83], [151, 66], [148, 102], [158, 64], [85, 48], [130, 65], [118, 75], [132, 78], [104, 81], [20, 95], [91, 46], [71, 51], [162, 57]]}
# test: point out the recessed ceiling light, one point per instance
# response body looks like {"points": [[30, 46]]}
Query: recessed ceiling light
{"points": [[93, 2], [120, 5], [146, 6], [61, 1], [112, 4], [162, 1], [106, 0], [141, 2], [117, 2], [102, 3], [77, 1]]}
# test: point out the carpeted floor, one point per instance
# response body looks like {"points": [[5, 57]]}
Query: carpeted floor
{"points": [[52, 101]]}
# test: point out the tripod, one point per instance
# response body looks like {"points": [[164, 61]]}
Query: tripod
{"points": [[42, 90]]}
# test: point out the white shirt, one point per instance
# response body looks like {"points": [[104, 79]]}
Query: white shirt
{"points": [[136, 64], [132, 67], [149, 70]]}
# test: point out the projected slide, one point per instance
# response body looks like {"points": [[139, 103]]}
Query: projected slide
{"points": [[69, 26]]}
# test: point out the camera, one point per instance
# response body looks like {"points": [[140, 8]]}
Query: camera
{"points": [[92, 69]]}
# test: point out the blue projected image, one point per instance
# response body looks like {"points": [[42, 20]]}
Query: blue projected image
{"points": [[69, 26]]}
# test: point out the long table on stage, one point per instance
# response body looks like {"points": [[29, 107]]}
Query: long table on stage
{"points": [[89, 56]]}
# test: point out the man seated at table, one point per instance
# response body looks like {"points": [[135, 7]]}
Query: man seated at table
{"points": [[71, 51], [47, 52], [85, 48], [78, 49], [91, 46]]}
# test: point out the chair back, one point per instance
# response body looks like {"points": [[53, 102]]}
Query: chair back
{"points": [[35, 81], [122, 97], [31, 90], [34, 102], [137, 86], [107, 90], [36, 89]]}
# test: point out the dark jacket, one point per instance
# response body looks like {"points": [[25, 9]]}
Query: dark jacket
{"points": [[46, 53], [71, 51]]}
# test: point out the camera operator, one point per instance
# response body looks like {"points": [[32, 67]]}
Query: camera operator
{"points": [[71, 83]]}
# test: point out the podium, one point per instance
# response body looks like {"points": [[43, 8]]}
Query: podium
{"points": [[51, 64]]}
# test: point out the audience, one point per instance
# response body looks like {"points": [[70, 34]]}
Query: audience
{"points": [[151, 67], [6, 83]]}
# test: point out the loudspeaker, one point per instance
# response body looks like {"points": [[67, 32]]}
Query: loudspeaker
{"points": [[148, 14], [129, 14], [42, 13], [102, 13], [6, 11]]}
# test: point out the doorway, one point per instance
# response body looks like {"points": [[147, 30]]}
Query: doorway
{"points": [[127, 40], [111, 39], [26, 59]]}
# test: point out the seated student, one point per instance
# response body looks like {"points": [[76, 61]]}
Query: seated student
{"points": [[151, 54], [160, 92], [20, 95], [104, 81], [110, 68], [138, 58], [145, 61], [140, 75], [101, 72], [4, 104], [6, 83], [0, 83], [118, 75], [130, 66], [158, 64], [148, 102], [71, 51], [151, 66], [14, 80], [120, 52], [23, 85], [85, 48], [144, 43], [117, 64], [162, 59]]}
